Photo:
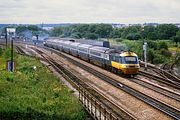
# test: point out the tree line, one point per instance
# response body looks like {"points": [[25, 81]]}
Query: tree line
{"points": [[95, 31], [26, 31]]}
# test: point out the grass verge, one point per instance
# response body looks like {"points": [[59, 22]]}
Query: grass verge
{"points": [[35, 94]]}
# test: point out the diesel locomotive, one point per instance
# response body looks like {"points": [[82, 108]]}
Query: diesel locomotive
{"points": [[124, 62]]}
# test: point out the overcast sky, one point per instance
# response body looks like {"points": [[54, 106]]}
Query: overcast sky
{"points": [[89, 11]]}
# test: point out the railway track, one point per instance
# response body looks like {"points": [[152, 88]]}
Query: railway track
{"points": [[169, 69], [20, 51], [156, 88], [78, 82], [169, 110], [165, 81], [166, 75]]}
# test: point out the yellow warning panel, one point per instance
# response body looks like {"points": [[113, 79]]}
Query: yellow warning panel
{"points": [[115, 64]]}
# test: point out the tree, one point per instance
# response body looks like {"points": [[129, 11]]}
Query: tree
{"points": [[116, 33], [57, 31], [92, 36], [152, 44], [33, 28], [103, 30], [20, 29], [150, 32], [76, 35], [166, 31], [152, 36], [133, 36], [176, 38], [131, 31]]}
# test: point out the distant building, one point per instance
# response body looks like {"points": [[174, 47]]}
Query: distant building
{"points": [[178, 25], [47, 28], [119, 25], [135, 24], [151, 24]]}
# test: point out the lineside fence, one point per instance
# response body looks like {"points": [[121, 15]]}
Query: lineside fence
{"points": [[95, 108]]}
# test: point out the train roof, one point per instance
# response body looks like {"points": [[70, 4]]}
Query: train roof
{"points": [[86, 41], [125, 53], [128, 54], [85, 45], [74, 44], [100, 49]]}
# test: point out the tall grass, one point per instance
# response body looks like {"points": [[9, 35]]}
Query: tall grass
{"points": [[35, 94]]}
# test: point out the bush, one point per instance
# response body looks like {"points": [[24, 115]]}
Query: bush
{"points": [[159, 59], [118, 40], [1, 52], [162, 45], [165, 53], [151, 55], [7, 54]]}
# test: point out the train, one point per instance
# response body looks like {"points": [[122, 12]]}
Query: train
{"points": [[124, 62]]}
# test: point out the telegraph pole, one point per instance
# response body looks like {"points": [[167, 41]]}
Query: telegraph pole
{"points": [[145, 54], [6, 37], [11, 54], [12, 34]]}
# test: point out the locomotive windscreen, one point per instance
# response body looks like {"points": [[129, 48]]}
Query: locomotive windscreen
{"points": [[130, 59]]}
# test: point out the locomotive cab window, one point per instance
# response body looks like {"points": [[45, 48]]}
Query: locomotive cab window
{"points": [[130, 60], [116, 58]]}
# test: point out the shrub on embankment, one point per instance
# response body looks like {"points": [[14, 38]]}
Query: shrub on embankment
{"points": [[35, 94]]}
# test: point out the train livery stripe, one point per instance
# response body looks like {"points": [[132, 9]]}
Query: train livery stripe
{"points": [[115, 64]]}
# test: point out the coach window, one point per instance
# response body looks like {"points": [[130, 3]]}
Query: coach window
{"points": [[114, 58], [105, 56]]}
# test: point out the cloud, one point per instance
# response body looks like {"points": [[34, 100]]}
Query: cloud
{"points": [[119, 11]]}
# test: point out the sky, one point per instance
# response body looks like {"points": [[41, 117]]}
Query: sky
{"points": [[89, 11]]}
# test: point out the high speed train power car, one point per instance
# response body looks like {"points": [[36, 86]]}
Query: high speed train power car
{"points": [[119, 62]]}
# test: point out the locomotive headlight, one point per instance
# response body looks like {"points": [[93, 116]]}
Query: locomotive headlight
{"points": [[127, 66], [137, 66], [132, 67]]}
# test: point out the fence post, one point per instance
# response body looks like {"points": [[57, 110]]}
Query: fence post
{"points": [[91, 105], [79, 92], [100, 111], [110, 116], [104, 113], [85, 101], [88, 101], [83, 97], [95, 107]]}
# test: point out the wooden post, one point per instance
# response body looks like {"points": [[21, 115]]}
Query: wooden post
{"points": [[100, 111]]}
